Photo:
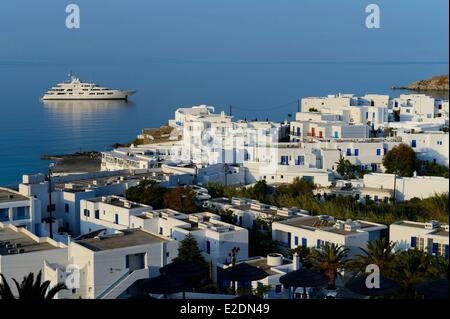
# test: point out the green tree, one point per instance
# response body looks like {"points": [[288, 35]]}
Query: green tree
{"points": [[401, 159], [147, 192], [188, 250], [379, 252], [180, 199], [411, 268], [226, 216], [30, 289], [330, 259], [304, 254], [345, 168]]}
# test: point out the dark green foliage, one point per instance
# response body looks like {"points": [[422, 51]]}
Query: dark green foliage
{"points": [[226, 216], [188, 250], [260, 243], [148, 193], [30, 289], [434, 169]]}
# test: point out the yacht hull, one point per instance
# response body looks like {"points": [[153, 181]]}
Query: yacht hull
{"points": [[116, 96]]}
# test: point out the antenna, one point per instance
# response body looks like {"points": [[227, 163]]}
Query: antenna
{"points": [[231, 109]]}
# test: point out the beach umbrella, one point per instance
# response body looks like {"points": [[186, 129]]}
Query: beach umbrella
{"points": [[436, 289], [186, 270], [243, 272], [247, 297], [304, 277], [164, 284], [388, 287]]}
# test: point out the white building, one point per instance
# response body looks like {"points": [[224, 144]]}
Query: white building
{"points": [[407, 188], [246, 212], [430, 147], [371, 109], [108, 266], [68, 191], [110, 212], [19, 210], [185, 114], [316, 231], [415, 107], [314, 124], [431, 237], [128, 158], [22, 253]]}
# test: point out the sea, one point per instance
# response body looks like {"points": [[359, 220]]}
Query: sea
{"points": [[30, 128]]}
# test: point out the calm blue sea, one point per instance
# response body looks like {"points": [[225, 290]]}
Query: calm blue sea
{"points": [[30, 128]]}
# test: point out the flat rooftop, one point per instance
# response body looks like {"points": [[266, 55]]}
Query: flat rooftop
{"points": [[126, 238], [82, 184], [7, 195], [25, 242], [261, 263], [119, 202], [314, 222]]}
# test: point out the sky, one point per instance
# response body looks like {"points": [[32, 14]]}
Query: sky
{"points": [[228, 31]]}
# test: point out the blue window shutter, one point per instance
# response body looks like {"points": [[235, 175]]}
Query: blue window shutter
{"points": [[318, 243], [413, 143], [117, 218], [413, 241], [378, 152], [356, 152], [296, 241], [289, 239], [435, 248], [349, 152], [304, 242], [446, 252]]}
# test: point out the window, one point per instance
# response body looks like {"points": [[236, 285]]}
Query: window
{"points": [[336, 134], [66, 208], [304, 242], [285, 160], [439, 142], [356, 152], [413, 242], [300, 160], [318, 244], [86, 212], [378, 151], [116, 218], [296, 241], [208, 247], [413, 143], [289, 239], [161, 230], [349, 152], [97, 214]]}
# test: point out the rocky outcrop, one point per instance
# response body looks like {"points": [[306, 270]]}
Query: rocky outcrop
{"points": [[436, 83]]}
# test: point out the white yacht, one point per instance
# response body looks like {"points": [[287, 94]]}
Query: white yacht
{"points": [[75, 89]]}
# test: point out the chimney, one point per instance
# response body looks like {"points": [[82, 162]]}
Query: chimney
{"points": [[296, 262]]}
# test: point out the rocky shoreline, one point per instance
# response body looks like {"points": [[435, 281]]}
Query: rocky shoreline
{"points": [[436, 83]]}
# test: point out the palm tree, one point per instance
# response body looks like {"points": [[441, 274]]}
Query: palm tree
{"points": [[412, 267], [379, 252], [330, 259], [30, 289]]}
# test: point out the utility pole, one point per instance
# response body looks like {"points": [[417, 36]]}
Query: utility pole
{"points": [[50, 208], [395, 187], [231, 110], [233, 254], [225, 171]]}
